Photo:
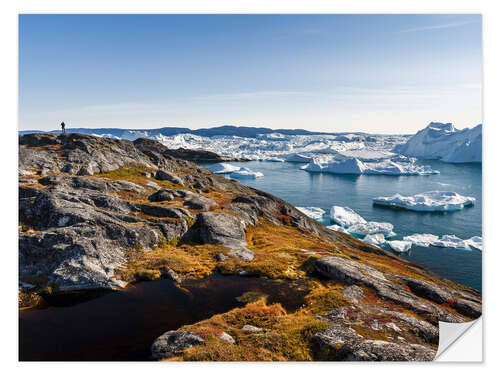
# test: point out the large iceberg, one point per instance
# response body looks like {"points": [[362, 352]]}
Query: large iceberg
{"points": [[428, 201], [313, 212], [345, 216], [444, 142], [245, 173], [223, 168], [357, 167]]}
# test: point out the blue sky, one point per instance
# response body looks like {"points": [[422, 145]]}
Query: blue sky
{"points": [[375, 73]]}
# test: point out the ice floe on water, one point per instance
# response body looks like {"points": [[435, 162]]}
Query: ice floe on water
{"points": [[345, 216], [337, 228], [377, 239], [223, 168], [313, 212], [400, 246], [428, 201], [245, 173], [372, 227], [357, 167], [448, 240]]}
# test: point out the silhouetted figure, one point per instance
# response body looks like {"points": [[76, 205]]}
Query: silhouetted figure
{"points": [[63, 127]]}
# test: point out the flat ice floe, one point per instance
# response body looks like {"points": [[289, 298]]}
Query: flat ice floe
{"points": [[357, 167], [345, 216], [313, 212], [245, 173], [447, 240], [223, 168], [428, 201]]}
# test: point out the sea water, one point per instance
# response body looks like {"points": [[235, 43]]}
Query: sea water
{"points": [[301, 188]]}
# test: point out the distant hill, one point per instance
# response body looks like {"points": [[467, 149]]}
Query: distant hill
{"points": [[229, 130]]}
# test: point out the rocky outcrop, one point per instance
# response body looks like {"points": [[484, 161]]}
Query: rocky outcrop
{"points": [[172, 343], [221, 228]]}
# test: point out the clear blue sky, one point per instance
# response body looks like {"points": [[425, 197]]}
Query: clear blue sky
{"points": [[376, 73]]}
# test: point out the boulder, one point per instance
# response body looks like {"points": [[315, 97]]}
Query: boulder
{"points": [[168, 176], [172, 343]]}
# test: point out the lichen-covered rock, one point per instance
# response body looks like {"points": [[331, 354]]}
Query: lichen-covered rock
{"points": [[172, 343]]}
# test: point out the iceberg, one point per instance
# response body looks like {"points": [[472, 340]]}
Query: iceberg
{"points": [[337, 228], [475, 242], [452, 241], [372, 227], [445, 142], [400, 246], [375, 239], [298, 158], [245, 173], [223, 168], [357, 167], [428, 201], [313, 212], [345, 216], [425, 239]]}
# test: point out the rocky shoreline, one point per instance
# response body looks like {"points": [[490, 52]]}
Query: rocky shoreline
{"points": [[100, 213]]}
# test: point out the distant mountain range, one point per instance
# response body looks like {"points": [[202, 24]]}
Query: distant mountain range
{"points": [[241, 131]]}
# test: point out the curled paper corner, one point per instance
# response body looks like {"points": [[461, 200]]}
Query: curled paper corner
{"points": [[459, 343]]}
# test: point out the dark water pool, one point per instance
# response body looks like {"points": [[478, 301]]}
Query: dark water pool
{"points": [[121, 326]]}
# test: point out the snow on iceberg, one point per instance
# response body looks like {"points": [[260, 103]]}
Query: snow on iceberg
{"points": [[245, 173], [345, 216], [357, 167], [428, 201], [313, 212], [298, 158], [223, 168], [372, 227], [400, 246], [375, 239], [444, 142]]}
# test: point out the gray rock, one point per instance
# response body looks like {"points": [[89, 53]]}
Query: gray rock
{"points": [[221, 257], [221, 228], [172, 343], [199, 202], [353, 293], [153, 185], [227, 337], [427, 290], [127, 186], [161, 196], [168, 176], [251, 328], [173, 276]]}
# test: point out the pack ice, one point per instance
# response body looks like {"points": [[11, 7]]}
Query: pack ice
{"points": [[428, 201]]}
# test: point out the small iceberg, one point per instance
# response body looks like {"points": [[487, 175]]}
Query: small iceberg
{"points": [[315, 213], [475, 242], [452, 241], [400, 246], [428, 202], [375, 239], [337, 228], [245, 173], [372, 227], [223, 168], [345, 216]]}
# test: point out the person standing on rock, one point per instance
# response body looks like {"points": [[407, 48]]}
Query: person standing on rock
{"points": [[63, 127]]}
